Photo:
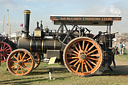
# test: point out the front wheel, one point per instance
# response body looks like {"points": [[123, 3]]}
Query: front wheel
{"points": [[82, 56], [20, 62]]}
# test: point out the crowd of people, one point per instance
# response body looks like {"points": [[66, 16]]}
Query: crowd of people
{"points": [[121, 49]]}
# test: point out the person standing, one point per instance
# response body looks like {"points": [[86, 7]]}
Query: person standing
{"points": [[115, 49], [113, 60], [123, 48], [120, 48]]}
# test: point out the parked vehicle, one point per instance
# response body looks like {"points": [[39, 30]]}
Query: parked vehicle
{"points": [[82, 52]]}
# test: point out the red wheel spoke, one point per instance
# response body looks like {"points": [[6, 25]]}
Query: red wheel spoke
{"points": [[6, 55], [7, 49], [92, 62], [4, 58], [89, 65], [76, 47], [72, 57], [91, 51], [73, 61], [14, 66], [86, 47], [83, 44], [3, 46]]}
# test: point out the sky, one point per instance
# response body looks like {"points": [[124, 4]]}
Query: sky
{"points": [[42, 9]]}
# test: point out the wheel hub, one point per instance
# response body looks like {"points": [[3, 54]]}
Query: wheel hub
{"points": [[20, 62], [82, 56]]}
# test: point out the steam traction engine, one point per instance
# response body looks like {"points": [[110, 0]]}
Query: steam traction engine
{"points": [[80, 51]]}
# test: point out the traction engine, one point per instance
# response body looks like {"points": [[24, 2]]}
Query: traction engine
{"points": [[77, 48]]}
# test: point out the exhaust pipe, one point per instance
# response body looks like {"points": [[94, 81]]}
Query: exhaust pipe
{"points": [[26, 24]]}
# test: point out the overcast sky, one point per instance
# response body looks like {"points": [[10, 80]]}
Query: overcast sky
{"points": [[42, 9]]}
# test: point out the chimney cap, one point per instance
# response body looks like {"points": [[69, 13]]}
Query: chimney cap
{"points": [[27, 11]]}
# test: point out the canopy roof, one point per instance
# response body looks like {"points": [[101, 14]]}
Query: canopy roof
{"points": [[85, 19]]}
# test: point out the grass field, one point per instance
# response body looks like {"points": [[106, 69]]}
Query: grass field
{"points": [[61, 76]]}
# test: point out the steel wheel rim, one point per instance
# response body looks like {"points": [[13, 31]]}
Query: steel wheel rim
{"points": [[20, 62], [82, 58], [6, 50], [37, 59]]}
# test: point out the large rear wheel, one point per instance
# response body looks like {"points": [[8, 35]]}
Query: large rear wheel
{"points": [[82, 56], [20, 62]]}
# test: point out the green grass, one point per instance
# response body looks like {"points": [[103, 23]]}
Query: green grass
{"points": [[123, 58], [40, 76]]}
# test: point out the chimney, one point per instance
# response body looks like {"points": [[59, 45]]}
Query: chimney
{"points": [[26, 23]]}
